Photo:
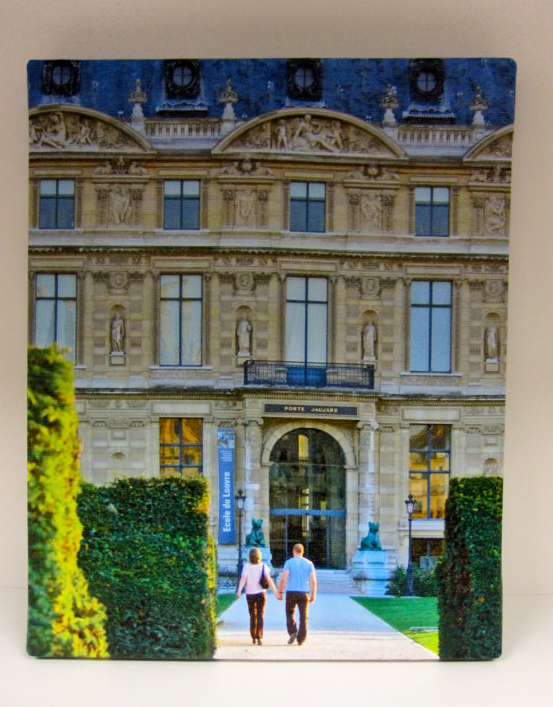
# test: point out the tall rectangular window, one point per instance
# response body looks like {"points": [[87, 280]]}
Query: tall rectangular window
{"points": [[430, 326], [181, 320], [181, 204], [56, 203], [180, 446], [431, 211], [307, 206], [306, 319], [429, 468], [56, 311]]}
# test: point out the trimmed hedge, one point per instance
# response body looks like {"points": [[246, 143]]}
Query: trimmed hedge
{"points": [[148, 556], [469, 573], [63, 619]]}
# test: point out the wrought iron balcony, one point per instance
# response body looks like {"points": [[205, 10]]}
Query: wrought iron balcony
{"points": [[315, 375]]}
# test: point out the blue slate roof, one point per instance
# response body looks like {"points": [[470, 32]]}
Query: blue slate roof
{"points": [[354, 86]]}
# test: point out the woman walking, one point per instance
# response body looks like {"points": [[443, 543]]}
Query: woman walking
{"points": [[255, 593]]}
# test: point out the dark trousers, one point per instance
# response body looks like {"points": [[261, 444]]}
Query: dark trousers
{"points": [[256, 607], [301, 600]]}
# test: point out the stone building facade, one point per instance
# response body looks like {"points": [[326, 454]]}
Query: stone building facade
{"points": [[327, 287]]}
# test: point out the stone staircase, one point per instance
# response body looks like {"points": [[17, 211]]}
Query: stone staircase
{"points": [[336, 582]]}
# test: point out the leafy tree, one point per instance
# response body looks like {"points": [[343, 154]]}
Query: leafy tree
{"points": [[63, 619]]}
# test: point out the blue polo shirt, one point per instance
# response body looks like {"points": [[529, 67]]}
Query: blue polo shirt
{"points": [[300, 568]]}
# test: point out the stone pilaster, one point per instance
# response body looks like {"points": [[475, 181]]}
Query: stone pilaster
{"points": [[252, 469], [367, 482]]}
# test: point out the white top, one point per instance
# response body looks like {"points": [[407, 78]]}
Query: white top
{"points": [[253, 575]]}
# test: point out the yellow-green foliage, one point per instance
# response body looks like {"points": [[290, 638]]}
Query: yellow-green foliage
{"points": [[63, 620]]}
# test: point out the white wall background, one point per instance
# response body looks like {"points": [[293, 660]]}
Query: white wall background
{"points": [[220, 28]]}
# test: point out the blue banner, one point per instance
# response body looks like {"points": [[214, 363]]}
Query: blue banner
{"points": [[225, 450]]}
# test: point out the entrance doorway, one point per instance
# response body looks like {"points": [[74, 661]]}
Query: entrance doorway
{"points": [[307, 495]]}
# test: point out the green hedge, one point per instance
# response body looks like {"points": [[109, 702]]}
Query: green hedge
{"points": [[424, 582], [147, 554], [63, 619], [469, 573]]}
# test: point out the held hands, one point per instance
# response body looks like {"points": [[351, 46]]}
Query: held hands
{"points": [[279, 596]]}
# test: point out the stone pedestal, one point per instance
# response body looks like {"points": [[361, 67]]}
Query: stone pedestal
{"points": [[117, 358], [370, 571]]}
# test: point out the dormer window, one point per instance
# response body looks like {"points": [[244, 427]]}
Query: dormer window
{"points": [[61, 78], [427, 78], [305, 79], [182, 78]]}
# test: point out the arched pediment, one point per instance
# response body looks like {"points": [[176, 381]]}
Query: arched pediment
{"points": [[495, 147], [317, 132], [76, 129]]}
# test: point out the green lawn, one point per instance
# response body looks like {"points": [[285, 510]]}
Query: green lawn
{"points": [[224, 601], [404, 614]]}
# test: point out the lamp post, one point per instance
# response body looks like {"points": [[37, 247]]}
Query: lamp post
{"points": [[410, 505], [240, 499]]}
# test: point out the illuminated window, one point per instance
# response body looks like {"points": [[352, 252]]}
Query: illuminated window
{"points": [[56, 311], [429, 468], [180, 446], [180, 320]]}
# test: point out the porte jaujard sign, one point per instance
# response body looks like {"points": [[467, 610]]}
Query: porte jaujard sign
{"points": [[225, 453], [326, 410]]}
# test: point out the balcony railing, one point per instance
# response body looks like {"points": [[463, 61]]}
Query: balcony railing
{"points": [[315, 375]]}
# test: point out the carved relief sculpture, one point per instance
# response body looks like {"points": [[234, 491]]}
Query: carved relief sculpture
{"points": [[245, 200], [495, 217], [120, 206], [68, 130], [308, 134], [371, 212]]}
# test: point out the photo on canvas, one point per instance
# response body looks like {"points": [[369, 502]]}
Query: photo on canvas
{"points": [[267, 357]]}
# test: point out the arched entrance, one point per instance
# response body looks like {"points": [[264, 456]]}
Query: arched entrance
{"points": [[307, 492]]}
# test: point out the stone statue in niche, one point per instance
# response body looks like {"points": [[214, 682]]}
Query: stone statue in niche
{"points": [[491, 343], [117, 332], [369, 342], [243, 337]]}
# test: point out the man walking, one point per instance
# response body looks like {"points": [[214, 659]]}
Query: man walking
{"points": [[299, 575]]}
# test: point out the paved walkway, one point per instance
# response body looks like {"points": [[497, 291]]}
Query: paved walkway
{"points": [[339, 629]]}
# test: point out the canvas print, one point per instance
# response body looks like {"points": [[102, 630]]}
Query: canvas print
{"points": [[267, 354]]}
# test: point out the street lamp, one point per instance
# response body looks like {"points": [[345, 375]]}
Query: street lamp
{"points": [[240, 499], [410, 505]]}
